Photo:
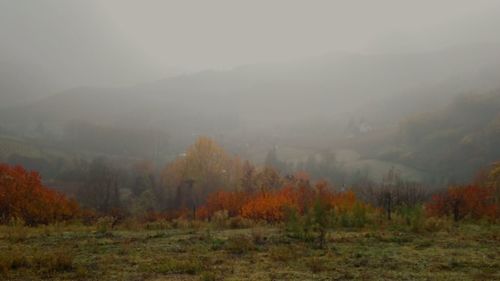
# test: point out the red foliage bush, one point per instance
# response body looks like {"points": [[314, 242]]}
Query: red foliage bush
{"points": [[465, 201], [23, 196], [272, 206], [231, 201]]}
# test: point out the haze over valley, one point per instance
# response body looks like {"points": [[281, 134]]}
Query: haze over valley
{"points": [[86, 89]]}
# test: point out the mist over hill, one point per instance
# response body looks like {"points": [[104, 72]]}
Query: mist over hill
{"points": [[276, 97], [90, 79], [56, 45], [251, 109]]}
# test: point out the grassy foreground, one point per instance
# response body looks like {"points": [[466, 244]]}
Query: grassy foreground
{"points": [[199, 251]]}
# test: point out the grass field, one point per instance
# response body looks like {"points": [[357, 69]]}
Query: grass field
{"points": [[199, 251]]}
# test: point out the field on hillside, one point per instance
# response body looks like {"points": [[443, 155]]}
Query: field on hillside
{"points": [[201, 251], [9, 146]]}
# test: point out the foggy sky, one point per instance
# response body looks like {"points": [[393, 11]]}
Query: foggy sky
{"points": [[206, 34], [122, 42]]}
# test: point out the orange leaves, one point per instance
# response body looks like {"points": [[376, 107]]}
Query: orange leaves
{"points": [[269, 206], [343, 202], [22, 195], [223, 200], [465, 201], [272, 206], [204, 168]]}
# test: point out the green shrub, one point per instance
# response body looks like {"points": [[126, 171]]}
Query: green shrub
{"points": [[412, 217], [359, 217], [217, 244], [294, 225], [323, 218], [345, 219], [313, 226]]}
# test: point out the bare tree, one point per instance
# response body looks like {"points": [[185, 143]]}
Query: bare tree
{"points": [[393, 193], [100, 191]]}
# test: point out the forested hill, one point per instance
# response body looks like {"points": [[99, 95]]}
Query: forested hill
{"points": [[251, 109], [449, 144], [269, 95]]}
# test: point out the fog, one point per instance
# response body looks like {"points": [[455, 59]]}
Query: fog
{"points": [[103, 43], [231, 33], [144, 79]]}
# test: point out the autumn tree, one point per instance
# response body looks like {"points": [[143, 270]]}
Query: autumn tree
{"points": [[460, 202], [202, 170], [268, 179], [305, 193], [230, 201], [270, 206], [23, 196], [490, 178], [249, 177]]}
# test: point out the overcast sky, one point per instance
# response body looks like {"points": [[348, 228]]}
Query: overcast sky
{"points": [[116, 41], [204, 34]]}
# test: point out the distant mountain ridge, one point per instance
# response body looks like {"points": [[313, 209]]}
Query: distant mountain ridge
{"points": [[304, 106], [271, 96]]}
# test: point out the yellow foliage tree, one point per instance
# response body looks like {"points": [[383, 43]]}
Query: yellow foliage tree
{"points": [[203, 169]]}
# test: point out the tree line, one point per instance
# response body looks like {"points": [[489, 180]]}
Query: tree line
{"points": [[206, 181]]}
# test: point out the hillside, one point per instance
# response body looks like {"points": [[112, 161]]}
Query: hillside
{"points": [[157, 120], [231, 102], [450, 144]]}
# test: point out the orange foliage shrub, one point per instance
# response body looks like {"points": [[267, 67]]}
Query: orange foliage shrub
{"points": [[272, 205], [231, 201], [23, 196], [343, 202], [465, 201]]}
